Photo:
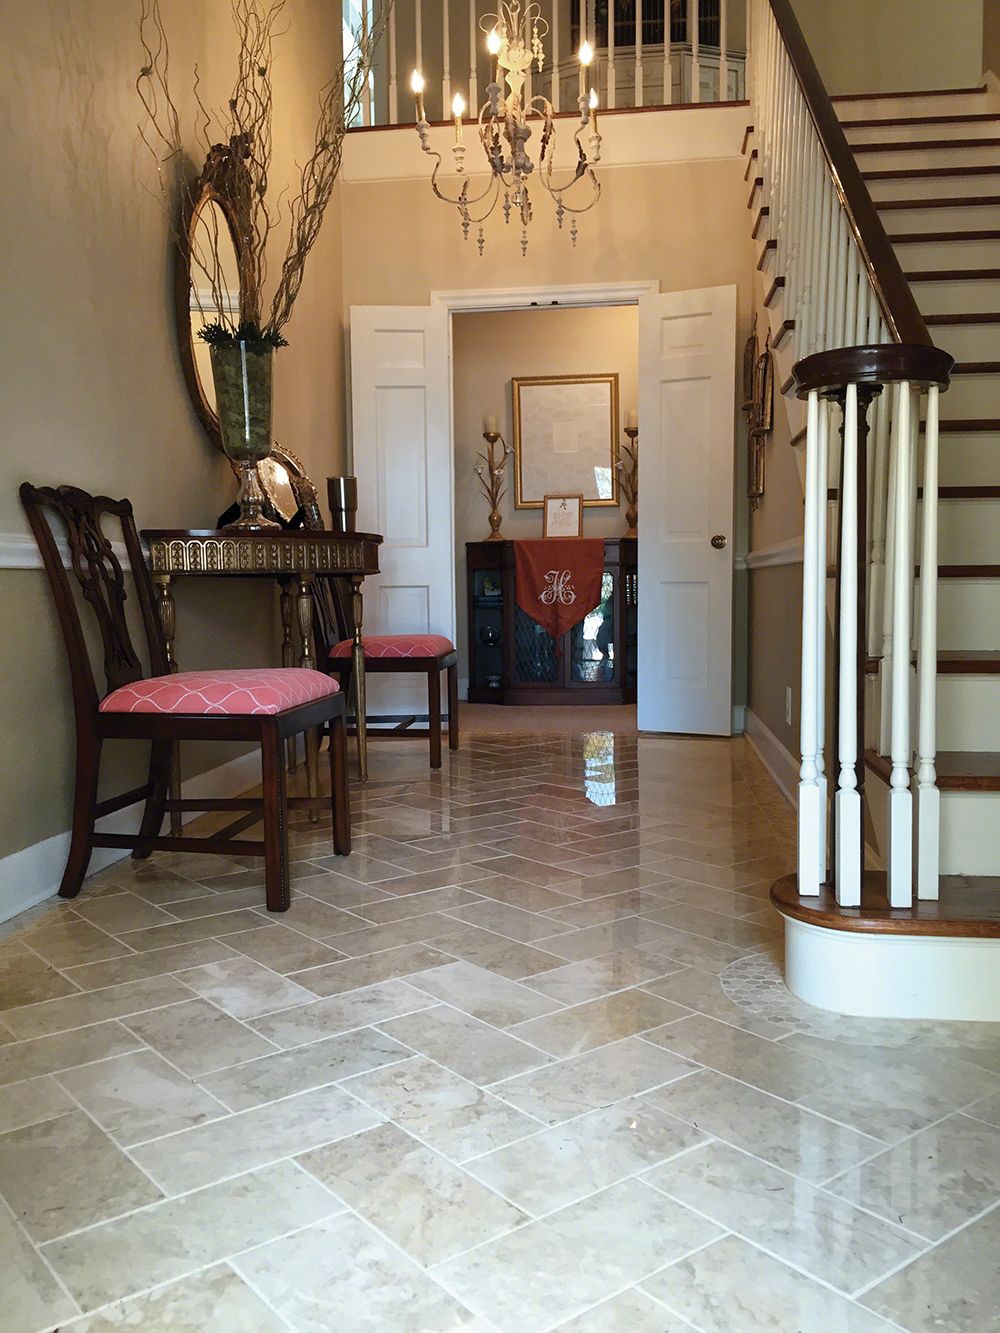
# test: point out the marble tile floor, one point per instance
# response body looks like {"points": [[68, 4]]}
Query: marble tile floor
{"points": [[522, 1062]]}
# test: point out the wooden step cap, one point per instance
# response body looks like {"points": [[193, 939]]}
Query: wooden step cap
{"points": [[969, 907]]}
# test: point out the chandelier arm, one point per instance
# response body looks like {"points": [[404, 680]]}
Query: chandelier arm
{"points": [[457, 202]]}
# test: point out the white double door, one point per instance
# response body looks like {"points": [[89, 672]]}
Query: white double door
{"points": [[404, 463]]}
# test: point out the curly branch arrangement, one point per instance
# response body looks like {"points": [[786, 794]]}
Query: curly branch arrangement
{"points": [[238, 140]]}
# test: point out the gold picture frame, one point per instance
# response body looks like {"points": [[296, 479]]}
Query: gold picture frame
{"points": [[561, 513], [559, 438]]}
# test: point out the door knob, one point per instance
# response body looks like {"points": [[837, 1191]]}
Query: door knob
{"points": [[719, 541]]}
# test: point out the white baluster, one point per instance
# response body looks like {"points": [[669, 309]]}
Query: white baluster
{"points": [[847, 803], [826, 410], [810, 811], [900, 799], [861, 317], [723, 53], [693, 36], [474, 61], [418, 30], [556, 80], [446, 58], [366, 87], [879, 512], [840, 281], [821, 269], [851, 295], [885, 657], [928, 797], [393, 85], [639, 93]]}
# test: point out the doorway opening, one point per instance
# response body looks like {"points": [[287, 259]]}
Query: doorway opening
{"points": [[561, 382]]}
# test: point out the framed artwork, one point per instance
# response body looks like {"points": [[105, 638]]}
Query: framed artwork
{"points": [[562, 515], [565, 438]]}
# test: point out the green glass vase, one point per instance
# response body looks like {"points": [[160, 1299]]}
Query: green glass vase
{"points": [[243, 398]]}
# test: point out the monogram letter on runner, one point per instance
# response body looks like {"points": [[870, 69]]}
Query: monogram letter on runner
{"points": [[558, 588]]}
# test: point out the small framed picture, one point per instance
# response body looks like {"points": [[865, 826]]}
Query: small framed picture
{"points": [[562, 516]]}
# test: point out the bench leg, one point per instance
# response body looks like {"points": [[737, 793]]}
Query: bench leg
{"points": [[434, 714], [339, 792], [453, 706], [276, 884]]}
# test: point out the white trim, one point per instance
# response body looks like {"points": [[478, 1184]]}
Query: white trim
{"points": [[893, 976], [518, 298], [31, 875], [19, 550], [202, 302], [788, 552], [782, 765]]}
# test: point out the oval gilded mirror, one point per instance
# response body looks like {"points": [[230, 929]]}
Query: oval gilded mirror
{"points": [[208, 283]]}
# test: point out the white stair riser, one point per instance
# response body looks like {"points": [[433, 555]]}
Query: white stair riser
{"points": [[968, 533], [966, 342], [926, 104], [970, 832], [974, 396], [958, 297], [914, 132], [888, 159], [968, 712], [942, 254], [961, 217], [969, 614], [937, 187], [970, 460]]}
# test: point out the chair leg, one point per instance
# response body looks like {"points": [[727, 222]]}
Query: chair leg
{"points": [[434, 714], [88, 766], [340, 798], [312, 768], [276, 886], [453, 706], [159, 782]]}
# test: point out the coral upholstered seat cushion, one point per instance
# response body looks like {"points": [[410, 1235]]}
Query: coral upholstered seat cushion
{"points": [[231, 693], [397, 645]]}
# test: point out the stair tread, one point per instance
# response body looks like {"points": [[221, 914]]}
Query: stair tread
{"points": [[957, 770], [966, 317], [963, 119], [923, 145], [768, 247], [953, 275], [976, 368], [955, 662], [968, 425], [930, 92], [927, 173], [947, 201], [945, 492], [932, 237], [968, 906], [968, 571]]}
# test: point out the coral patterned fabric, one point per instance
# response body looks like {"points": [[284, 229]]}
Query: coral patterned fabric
{"points": [[232, 693], [397, 645]]}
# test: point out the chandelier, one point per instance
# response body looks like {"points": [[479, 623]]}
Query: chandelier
{"points": [[514, 42]]}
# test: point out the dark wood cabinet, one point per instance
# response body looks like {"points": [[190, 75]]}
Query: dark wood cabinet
{"points": [[512, 660]]}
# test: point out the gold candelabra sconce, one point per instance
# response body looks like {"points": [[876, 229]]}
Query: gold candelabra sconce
{"points": [[492, 473], [628, 475], [758, 405]]}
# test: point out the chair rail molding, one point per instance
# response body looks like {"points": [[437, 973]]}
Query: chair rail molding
{"points": [[19, 550], [787, 552]]}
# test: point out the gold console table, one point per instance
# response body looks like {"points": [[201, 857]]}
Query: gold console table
{"points": [[292, 559]]}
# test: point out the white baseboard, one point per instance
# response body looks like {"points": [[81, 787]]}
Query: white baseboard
{"points": [[782, 765], [739, 719], [33, 874]]}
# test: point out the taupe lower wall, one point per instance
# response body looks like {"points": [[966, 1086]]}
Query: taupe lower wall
{"points": [[775, 648], [489, 349], [92, 388]]}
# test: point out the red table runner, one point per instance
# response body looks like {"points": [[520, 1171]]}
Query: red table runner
{"points": [[558, 580]]}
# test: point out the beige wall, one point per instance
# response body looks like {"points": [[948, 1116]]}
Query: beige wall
{"points": [[491, 347], [991, 41], [870, 46], [92, 389]]}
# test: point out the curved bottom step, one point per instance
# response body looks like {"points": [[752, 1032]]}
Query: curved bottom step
{"points": [[935, 960]]}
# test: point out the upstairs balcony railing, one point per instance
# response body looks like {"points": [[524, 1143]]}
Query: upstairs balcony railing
{"points": [[644, 58]]}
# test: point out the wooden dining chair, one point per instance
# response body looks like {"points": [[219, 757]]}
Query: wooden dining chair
{"points": [[265, 706], [426, 654]]}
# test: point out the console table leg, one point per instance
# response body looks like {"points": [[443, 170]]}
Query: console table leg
{"points": [[358, 672], [288, 658], [304, 606], [167, 609]]}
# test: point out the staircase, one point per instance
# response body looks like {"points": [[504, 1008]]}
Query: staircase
{"points": [[877, 225]]}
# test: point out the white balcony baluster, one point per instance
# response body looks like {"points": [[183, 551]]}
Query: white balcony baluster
{"points": [[900, 800], [928, 796], [810, 829]]}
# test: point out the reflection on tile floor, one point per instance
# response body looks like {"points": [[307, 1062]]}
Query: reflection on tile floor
{"points": [[523, 1062]]}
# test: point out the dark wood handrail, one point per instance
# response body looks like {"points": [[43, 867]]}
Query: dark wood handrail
{"points": [[878, 364], [879, 258]]}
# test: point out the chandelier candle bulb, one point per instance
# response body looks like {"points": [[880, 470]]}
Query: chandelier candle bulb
{"points": [[457, 108], [493, 44], [417, 85], [593, 108], [586, 56]]}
